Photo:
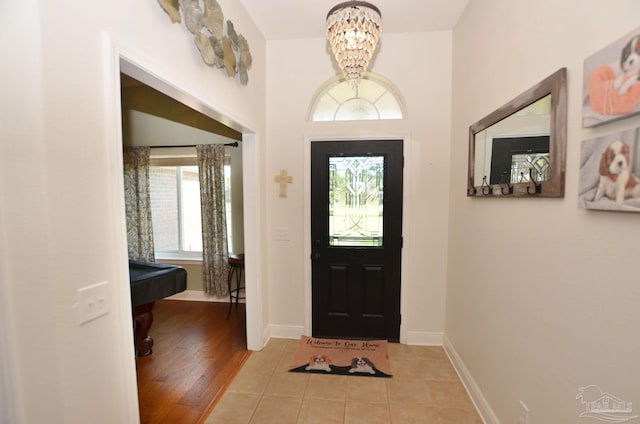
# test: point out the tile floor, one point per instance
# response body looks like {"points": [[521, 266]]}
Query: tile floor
{"points": [[424, 389]]}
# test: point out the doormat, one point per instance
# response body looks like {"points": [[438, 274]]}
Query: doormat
{"points": [[342, 357]]}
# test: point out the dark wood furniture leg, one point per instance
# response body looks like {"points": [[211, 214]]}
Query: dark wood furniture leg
{"points": [[236, 266], [143, 318]]}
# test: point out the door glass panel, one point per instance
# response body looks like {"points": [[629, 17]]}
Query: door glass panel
{"points": [[355, 200], [522, 164]]}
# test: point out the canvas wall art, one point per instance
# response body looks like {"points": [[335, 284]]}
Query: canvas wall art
{"points": [[610, 172], [612, 81]]}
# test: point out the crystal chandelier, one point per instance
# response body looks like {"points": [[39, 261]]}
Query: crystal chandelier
{"points": [[353, 31]]}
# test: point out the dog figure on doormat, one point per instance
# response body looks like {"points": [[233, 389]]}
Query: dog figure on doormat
{"points": [[358, 358], [319, 363], [362, 365]]}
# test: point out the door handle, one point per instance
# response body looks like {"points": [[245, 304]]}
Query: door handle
{"points": [[315, 255]]}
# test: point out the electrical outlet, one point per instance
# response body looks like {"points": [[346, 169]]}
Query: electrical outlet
{"points": [[94, 302], [523, 416]]}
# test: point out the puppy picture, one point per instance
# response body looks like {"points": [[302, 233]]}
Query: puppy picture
{"points": [[319, 363], [362, 365], [629, 65], [616, 181], [612, 81], [609, 172]]}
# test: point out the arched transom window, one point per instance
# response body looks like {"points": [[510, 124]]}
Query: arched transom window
{"points": [[374, 98]]}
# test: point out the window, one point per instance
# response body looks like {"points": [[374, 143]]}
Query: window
{"points": [[356, 200], [374, 98], [175, 206], [175, 209]]}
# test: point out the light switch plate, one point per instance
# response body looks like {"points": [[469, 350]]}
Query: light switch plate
{"points": [[281, 234], [94, 302]]}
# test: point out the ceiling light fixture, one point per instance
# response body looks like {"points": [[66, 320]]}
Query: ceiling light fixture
{"points": [[353, 31]]}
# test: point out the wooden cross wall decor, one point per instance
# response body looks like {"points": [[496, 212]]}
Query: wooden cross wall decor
{"points": [[283, 179]]}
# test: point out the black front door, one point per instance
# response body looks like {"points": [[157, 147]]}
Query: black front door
{"points": [[356, 235]]}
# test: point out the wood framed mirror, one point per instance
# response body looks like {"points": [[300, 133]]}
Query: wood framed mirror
{"points": [[519, 149]]}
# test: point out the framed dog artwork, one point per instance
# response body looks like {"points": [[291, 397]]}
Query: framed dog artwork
{"points": [[612, 81], [609, 172]]}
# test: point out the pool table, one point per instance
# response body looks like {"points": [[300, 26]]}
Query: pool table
{"points": [[150, 282]]}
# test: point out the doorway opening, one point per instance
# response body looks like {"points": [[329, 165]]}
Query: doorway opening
{"points": [[252, 331]]}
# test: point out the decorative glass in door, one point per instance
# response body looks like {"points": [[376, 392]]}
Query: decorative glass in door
{"points": [[356, 188], [525, 165]]}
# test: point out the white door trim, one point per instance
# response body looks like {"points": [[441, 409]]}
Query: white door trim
{"points": [[308, 138], [119, 58]]}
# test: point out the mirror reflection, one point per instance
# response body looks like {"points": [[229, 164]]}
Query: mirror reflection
{"points": [[519, 149], [516, 148]]}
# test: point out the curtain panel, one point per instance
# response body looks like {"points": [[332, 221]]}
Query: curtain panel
{"points": [[215, 253], [137, 196]]}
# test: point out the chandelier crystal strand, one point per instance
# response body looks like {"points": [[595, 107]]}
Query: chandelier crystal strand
{"points": [[353, 31]]}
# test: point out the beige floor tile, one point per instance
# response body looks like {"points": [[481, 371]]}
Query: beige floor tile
{"points": [[413, 414], [448, 394], [284, 364], [407, 391], [429, 352], [327, 387], [400, 351], [262, 361], [319, 411], [234, 408], [405, 368], [366, 389], [366, 413], [275, 345], [437, 369], [277, 409], [291, 345], [425, 389], [287, 384], [248, 381], [459, 416]]}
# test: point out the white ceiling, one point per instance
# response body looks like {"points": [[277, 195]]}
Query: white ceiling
{"points": [[287, 19]]}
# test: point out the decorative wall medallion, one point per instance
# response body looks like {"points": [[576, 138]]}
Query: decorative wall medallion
{"points": [[206, 49], [205, 20], [172, 8], [213, 19], [229, 57]]}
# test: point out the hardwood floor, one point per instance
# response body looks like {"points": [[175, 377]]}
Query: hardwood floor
{"points": [[196, 354]]}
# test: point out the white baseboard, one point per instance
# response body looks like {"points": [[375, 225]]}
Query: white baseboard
{"points": [[282, 332], [424, 338], [199, 296], [266, 335], [286, 331], [416, 338], [476, 395]]}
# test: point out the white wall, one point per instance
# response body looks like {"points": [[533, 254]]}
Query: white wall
{"points": [[419, 64], [28, 342], [542, 297], [60, 219]]}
